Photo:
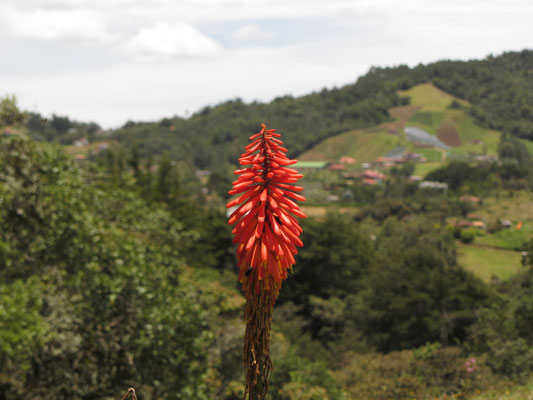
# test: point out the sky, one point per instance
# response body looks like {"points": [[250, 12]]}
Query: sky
{"points": [[110, 61]]}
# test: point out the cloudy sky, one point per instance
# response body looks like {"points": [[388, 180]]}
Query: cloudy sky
{"points": [[113, 60]]}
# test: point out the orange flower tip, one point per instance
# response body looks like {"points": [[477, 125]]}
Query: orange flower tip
{"points": [[263, 126]]}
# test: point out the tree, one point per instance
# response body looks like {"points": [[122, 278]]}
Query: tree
{"points": [[9, 112]]}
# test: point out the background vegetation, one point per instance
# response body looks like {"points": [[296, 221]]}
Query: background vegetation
{"points": [[117, 268]]}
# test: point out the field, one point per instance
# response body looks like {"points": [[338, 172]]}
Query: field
{"points": [[362, 144], [488, 262], [429, 109]]}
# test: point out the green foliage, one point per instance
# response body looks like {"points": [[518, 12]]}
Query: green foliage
{"points": [[98, 298], [468, 235], [418, 294], [425, 373], [457, 173], [513, 149], [9, 112], [22, 328], [329, 269], [59, 129], [296, 378]]}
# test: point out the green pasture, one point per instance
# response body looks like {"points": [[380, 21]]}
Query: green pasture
{"points": [[362, 144], [431, 113], [487, 262]]}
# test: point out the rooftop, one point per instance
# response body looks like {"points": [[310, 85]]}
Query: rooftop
{"points": [[311, 164]]}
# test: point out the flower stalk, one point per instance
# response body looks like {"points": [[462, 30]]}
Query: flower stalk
{"points": [[267, 234]]}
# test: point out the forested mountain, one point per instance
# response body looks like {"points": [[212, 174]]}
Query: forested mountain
{"points": [[498, 88]]}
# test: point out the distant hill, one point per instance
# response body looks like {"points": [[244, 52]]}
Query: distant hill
{"points": [[496, 93], [439, 114]]}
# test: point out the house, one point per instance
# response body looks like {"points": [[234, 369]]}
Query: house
{"points": [[310, 165], [9, 132], [478, 224], [347, 160], [369, 181], [470, 199], [80, 157], [336, 167], [202, 173], [433, 185], [373, 174], [103, 146], [505, 223], [472, 216], [81, 142]]}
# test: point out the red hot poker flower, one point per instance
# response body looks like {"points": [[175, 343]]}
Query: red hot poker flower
{"points": [[267, 233], [265, 225]]}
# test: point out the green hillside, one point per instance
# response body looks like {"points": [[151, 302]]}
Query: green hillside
{"points": [[438, 113], [496, 92]]}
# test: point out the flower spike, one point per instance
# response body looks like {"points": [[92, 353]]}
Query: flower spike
{"points": [[267, 234]]}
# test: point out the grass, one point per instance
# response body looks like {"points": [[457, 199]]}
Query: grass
{"points": [[433, 113], [486, 262], [512, 205], [429, 110], [422, 169], [362, 144], [430, 98], [509, 238]]}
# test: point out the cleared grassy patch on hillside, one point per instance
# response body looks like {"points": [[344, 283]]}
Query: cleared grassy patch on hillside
{"points": [[435, 116], [429, 110], [486, 262], [362, 144], [422, 169], [512, 205], [430, 98]]}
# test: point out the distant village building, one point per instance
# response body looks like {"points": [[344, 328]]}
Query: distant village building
{"points": [[336, 167], [103, 146], [365, 165], [487, 159], [415, 178], [473, 216], [9, 132], [471, 224], [369, 181], [505, 223], [202, 173], [81, 142], [433, 185], [332, 197], [347, 160], [470, 199], [372, 177], [347, 195], [478, 224], [373, 174], [80, 157], [310, 164], [408, 156], [72, 130]]}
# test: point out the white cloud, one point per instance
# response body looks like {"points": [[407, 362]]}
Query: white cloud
{"points": [[165, 41], [71, 24], [252, 32]]}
